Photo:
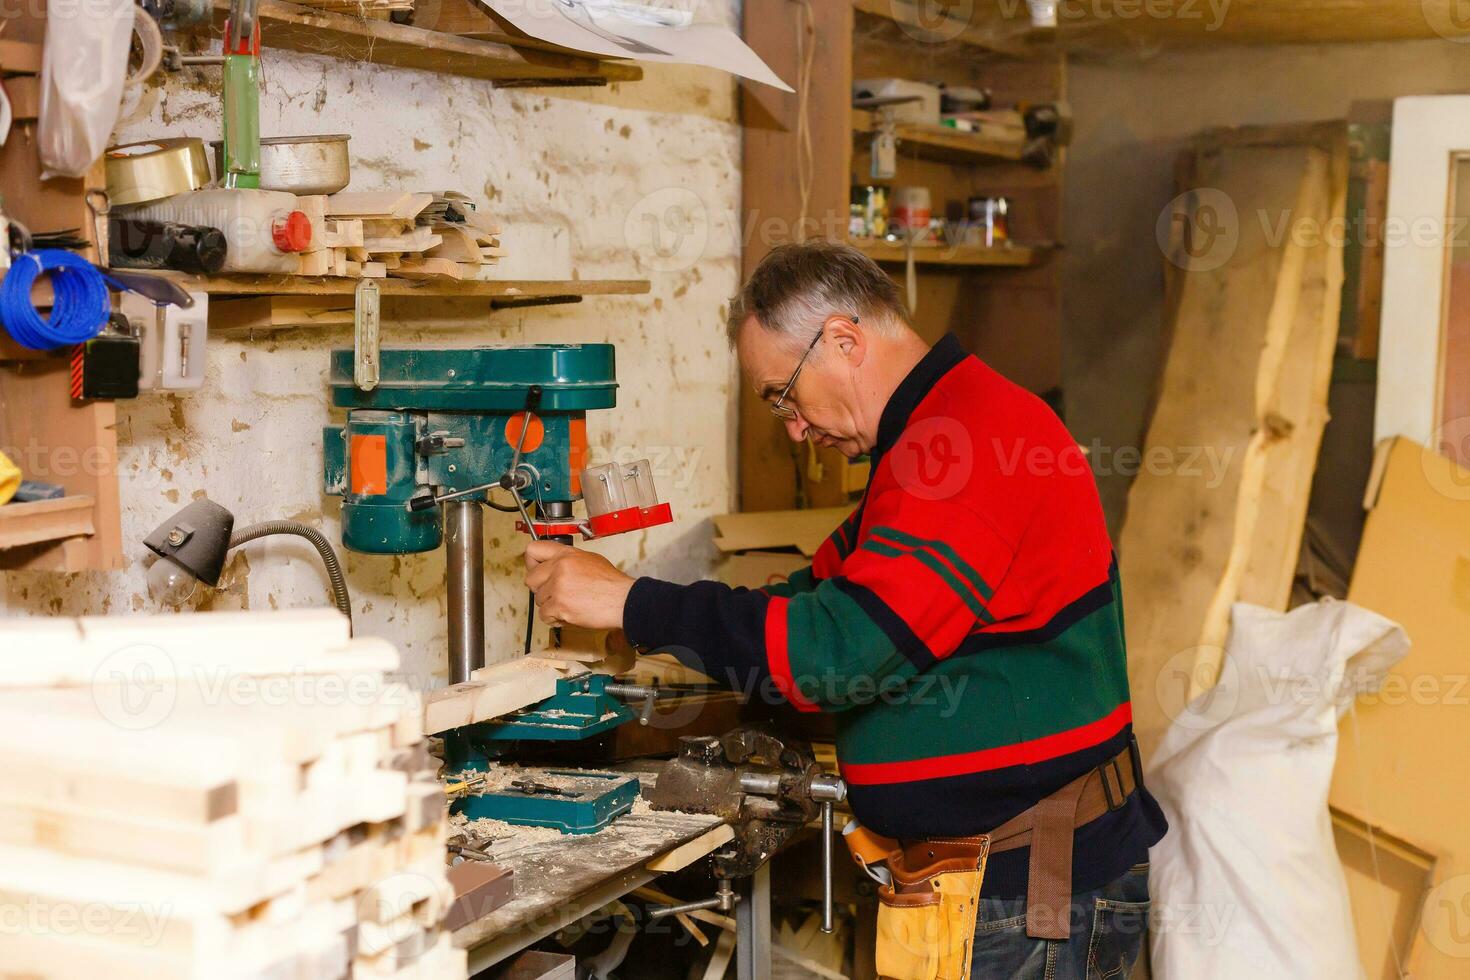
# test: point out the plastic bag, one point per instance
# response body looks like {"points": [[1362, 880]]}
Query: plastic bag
{"points": [[82, 73], [1247, 882]]}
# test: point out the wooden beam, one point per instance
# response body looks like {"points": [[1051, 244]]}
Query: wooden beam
{"points": [[284, 25]]}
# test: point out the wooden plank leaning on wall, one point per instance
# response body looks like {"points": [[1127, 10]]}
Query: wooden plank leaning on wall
{"points": [[1217, 513]]}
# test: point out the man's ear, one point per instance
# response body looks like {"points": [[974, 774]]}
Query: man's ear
{"points": [[851, 339]]}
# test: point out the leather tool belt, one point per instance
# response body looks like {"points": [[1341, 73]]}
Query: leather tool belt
{"points": [[926, 916]]}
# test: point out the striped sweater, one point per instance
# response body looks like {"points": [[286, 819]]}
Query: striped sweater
{"points": [[964, 623]]}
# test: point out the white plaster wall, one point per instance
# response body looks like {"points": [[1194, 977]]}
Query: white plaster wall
{"points": [[638, 180]]}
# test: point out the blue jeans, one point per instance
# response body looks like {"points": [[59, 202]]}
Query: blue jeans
{"points": [[1109, 927]]}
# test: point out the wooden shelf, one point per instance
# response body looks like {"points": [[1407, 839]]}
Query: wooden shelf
{"points": [[252, 304], [505, 59], [944, 143], [1007, 256], [45, 521], [506, 289]]}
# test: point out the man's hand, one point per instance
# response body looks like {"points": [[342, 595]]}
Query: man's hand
{"points": [[576, 588]]}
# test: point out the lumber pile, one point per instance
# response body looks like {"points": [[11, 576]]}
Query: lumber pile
{"points": [[399, 234], [1217, 515], [217, 795]]}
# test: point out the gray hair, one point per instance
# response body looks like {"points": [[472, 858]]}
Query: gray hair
{"points": [[797, 287]]}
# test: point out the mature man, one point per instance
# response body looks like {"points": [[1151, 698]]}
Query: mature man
{"points": [[964, 622]]}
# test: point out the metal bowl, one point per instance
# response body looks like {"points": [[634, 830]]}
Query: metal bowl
{"points": [[298, 164]]}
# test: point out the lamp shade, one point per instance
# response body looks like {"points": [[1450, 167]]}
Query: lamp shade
{"points": [[196, 539]]}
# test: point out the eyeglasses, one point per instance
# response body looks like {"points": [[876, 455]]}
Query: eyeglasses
{"points": [[779, 408]]}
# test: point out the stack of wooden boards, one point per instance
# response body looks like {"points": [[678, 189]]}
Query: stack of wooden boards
{"points": [[1217, 512], [216, 795], [400, 234]]}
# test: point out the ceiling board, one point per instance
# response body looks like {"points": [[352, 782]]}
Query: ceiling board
{"points": [[1004, 25]]}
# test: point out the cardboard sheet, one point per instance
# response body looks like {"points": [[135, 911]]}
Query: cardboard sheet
{"points": [[804, 530], [1402, 767]]}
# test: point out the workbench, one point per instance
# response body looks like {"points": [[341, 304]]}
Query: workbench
{"points": [[560, 880]]}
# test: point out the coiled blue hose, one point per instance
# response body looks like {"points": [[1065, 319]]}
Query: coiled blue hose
{"points": [[79, 311]]}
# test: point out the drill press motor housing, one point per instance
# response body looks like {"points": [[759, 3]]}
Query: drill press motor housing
{"points": [[451, 425]]}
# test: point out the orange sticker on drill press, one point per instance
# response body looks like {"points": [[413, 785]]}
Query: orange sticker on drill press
{"points": [[577, 452], [534, 435], [369, 456]]}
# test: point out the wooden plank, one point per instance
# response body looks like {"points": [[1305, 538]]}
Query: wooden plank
{"points": [[24, 93], [246, 285], [1215, 515], [494, 691], [75, 445], [19, 57], [1010, 256], [1370, 271], [266, 313], [686, 854], [45, 520], [284, 25]]}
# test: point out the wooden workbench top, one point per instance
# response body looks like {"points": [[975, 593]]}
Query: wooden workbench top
{"points": [[559, 880]]}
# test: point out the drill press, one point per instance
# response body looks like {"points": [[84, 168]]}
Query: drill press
{"points": [[418, 459]]}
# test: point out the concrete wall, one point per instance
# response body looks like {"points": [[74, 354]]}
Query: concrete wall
{"points": [[1132, 118], [575, 177]]}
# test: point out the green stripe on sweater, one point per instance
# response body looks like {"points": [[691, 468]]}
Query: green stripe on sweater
{"points": [[933, 563], [836, 652], [943, 548]]}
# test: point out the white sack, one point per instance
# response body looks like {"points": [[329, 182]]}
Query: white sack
{"points": [[1247, 883], [83, 69]]}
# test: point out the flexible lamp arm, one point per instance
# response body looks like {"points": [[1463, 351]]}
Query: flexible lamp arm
{"points": [[318, 541]]}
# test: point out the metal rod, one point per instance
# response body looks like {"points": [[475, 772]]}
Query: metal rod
{"points": [[464, 553], [827, 835]]}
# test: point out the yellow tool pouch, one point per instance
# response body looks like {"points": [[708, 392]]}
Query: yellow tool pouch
{"points": [[926, 918]]}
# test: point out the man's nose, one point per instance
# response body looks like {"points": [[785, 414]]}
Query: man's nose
{"points": [[796, 428]]}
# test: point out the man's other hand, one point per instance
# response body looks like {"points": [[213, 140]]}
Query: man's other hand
{"points": [[576, 588]]}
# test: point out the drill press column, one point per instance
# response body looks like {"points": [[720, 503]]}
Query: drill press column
{"points": [[464, 555]]}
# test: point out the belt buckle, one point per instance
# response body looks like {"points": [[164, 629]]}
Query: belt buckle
{"points": [[1117, 773]]}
